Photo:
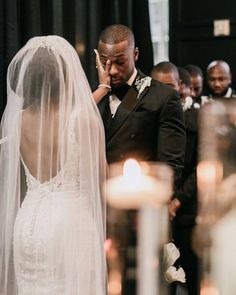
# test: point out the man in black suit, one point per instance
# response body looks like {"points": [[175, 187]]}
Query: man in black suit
{"points": [[143, 118], [185, 220], [183, 207]]}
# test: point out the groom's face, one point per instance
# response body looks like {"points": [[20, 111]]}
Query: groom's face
{"points": [[122, 57]]}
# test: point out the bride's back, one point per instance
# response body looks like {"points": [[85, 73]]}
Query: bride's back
{"points": [[43, 79], [39, 143], [52, 122]]}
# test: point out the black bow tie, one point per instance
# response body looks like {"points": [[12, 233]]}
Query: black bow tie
{"points": [[121, 91]]}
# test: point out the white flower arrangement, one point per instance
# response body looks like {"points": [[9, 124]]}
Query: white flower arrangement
{"points": [[188, 102], [171, 254], [141, 84]]}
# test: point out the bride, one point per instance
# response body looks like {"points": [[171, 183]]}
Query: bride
{"points": [[52, 144]]}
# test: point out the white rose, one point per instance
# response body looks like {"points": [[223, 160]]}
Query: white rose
{"points": [[171, 254], [187, 103], [196, 105], [173, 275]]}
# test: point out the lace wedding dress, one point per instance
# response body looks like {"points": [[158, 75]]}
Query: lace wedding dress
{"points": [[55, 216], [52, 243]]}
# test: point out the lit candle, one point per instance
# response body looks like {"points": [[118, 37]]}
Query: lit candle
{"points": [[209, 173], [134, 189], [208, 288]]}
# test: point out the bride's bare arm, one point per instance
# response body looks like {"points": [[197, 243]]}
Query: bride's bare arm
{"points": [[104, 78]]}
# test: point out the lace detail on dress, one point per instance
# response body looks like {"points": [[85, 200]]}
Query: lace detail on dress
{"points": [[49, 207]]}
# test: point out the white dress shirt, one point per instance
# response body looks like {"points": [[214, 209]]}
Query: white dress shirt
{"points": [[114, 101]]}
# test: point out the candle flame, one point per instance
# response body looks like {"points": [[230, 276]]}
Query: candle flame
{"points": [[131, 169], [209, 172], [208, 288]]}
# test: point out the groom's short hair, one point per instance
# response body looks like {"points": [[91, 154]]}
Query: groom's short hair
{"points": [[117, 33]]}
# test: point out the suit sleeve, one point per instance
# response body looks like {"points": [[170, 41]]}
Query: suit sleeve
{"points": [[172, 137], [188, 189]]}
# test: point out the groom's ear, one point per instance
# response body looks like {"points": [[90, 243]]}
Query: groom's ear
{"points": [[136, 53]]}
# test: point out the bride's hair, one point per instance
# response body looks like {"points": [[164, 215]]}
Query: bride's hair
{"points": [[41, 69]]}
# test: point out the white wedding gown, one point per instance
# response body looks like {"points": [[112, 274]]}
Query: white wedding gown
{"points": [[53, 222], [51, 236]]}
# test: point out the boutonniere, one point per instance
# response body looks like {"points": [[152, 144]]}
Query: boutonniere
{"points": [[196, 105], [188, 103], [171, 254], [141, 84]]}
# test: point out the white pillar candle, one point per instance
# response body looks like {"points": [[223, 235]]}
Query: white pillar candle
{"points": [[134, 189]]}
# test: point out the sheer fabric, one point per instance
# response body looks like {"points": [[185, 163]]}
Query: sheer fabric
{"points": [[52, 142]]}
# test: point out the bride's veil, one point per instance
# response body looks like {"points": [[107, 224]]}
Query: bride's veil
{"points": [[52, 127]]}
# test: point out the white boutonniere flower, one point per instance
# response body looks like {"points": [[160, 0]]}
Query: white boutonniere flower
{"points": [[188, 103], [196, 105], [141, 84], [171, 254]]}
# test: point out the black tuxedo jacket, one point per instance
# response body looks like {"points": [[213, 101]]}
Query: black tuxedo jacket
{"points": [[147, 127], [187, 191]]}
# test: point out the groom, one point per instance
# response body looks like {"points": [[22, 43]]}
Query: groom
{"points": [[143, 118]]}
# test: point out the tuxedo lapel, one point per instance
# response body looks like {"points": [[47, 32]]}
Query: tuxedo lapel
{"points": [[127, 107], [105, 112]]}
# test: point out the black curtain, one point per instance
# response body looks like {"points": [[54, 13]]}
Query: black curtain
{"points": [[96, 15], [19, 21], [79, 21], [9, 42]]}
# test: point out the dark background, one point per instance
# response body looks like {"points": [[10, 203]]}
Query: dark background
{"points": [[191, 33]]}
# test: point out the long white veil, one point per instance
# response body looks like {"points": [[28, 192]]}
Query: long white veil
{"points": [[51, 124]]}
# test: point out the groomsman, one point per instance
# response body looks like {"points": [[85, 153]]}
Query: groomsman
{"points": [[219, 80], [196, 76], [183, 207]]}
